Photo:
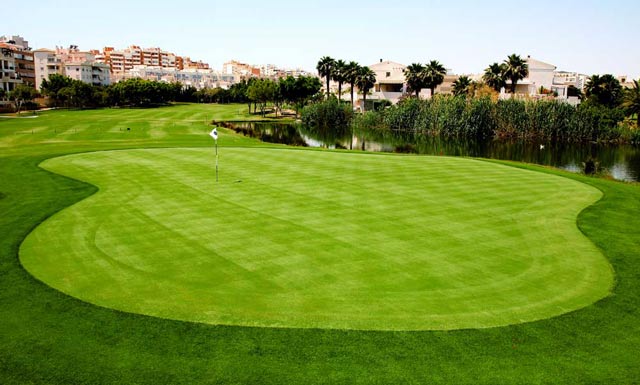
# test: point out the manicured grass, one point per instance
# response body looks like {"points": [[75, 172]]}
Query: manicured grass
{"points": [[311, 239], [72, 129], [47, 337]]}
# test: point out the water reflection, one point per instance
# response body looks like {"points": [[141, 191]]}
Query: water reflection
{"points": [[619, 161]]}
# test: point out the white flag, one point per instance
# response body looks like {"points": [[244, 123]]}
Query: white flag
{"points": [[214, 134]]}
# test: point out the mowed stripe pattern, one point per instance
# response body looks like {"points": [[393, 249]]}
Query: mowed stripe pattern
{"points": [[298, 238]]}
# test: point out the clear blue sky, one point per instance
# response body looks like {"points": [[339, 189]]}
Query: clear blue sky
{"points": [[587, 36]]}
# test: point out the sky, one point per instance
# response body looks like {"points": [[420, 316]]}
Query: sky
{"points": [[587, 36]]}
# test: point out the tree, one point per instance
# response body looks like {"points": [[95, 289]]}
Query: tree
{"points": [[3, 93], [515, 69], [574, 91], [339, 75], [365, 81], [22, 94], [631, 102], [433, 75], [50, 87], [325, 68], [83, 94], [351, 75], [262, 91], [298, 91], [494, 76], [413, 75], [604, 90], [461, 86]]}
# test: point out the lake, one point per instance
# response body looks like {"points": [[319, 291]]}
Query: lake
{"points": [[621, 162]]}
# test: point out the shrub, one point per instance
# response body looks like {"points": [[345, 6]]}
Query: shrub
{"points": [[329, 114]]}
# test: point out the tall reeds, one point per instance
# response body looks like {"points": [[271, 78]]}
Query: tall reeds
{"points": [[539, 120]]}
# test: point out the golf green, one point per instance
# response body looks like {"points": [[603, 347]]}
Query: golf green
{"points": [[316, 239]]}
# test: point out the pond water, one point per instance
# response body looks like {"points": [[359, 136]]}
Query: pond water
{"points": [[621, 162]]}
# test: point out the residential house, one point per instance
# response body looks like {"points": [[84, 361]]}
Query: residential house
{"points": [[390, 81]]}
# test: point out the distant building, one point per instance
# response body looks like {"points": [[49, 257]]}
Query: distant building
{"points": [[240, 70], [446, 88], [191, 77], [541, 74], [8, 77], [78, 65], [121, 61], [18, 62], [183, 63], [97, 74], [570, 79], [390, 81], [625, 81], [47, 63]]}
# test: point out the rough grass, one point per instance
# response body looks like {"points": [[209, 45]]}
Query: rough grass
{"points": [[310, 239], [47, 337]]}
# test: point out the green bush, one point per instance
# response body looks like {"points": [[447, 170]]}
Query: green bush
{"points": [[329, 114]]}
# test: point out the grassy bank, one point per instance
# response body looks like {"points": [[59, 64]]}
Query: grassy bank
{"points": [[47, 337]]}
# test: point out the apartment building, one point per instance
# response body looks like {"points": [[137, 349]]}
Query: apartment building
{"points": [[97, 74], [8, 77], [17, 55], [46, 63], [189, 77], [122, 61], [240, 70], [78, 65], [183, 63]]}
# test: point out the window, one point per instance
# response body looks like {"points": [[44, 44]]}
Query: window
{"points": [[388, 74]]}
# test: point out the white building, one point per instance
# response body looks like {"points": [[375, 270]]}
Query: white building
{"points": [[98, 74], [70, 62], [570, 78], [191, 77], [541, 75], [46, 63]]}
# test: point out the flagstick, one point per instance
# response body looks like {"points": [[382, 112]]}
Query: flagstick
{"points": [[216, 160]]}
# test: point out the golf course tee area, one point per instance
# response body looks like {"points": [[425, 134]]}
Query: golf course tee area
{"points": [[326, 240]]}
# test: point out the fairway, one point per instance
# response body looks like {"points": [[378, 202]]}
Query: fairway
{"points": [[298, 238]]}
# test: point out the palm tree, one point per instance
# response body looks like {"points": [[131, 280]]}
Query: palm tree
{"points": [[413, 76], [494, 76], [605, 90], [515, 69], [461, 86], [351, 71], [365, 81], [325, 69], [339, 75], [631, 101], [433, 75]]}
